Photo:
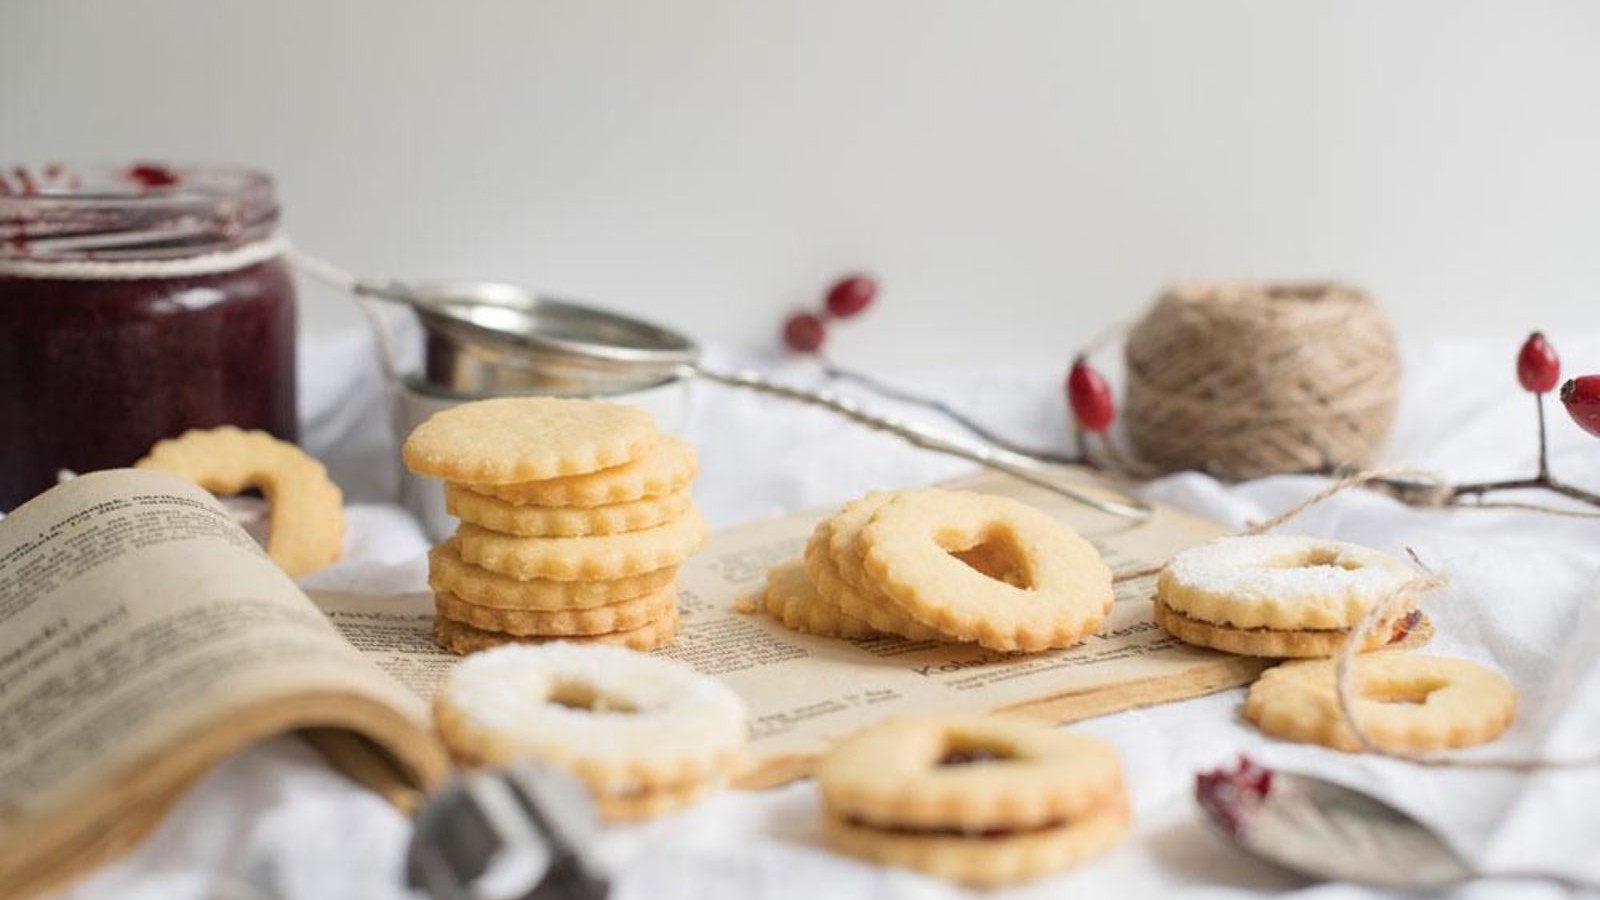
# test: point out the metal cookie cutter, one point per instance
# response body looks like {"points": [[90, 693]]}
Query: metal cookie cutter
{"points": [[521, 833]]}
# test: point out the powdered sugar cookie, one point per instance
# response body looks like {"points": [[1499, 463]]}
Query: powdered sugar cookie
{"points": [[624, 615], [667, 468], [1283, 596], [987, 569], [461, 638], [554, 521], [620, 721], [1406, 703], [1282, 582], [515, 439], [1407, 628], [609, 556]]}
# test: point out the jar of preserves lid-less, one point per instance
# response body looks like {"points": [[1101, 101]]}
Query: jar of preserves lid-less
{"points": [[136, 303]]}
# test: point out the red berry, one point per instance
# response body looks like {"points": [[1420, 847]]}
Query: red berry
{"points": [[151, 175], [1538, 367], [1089, 397], [804, 333], [849, 296], [1581, 397]]}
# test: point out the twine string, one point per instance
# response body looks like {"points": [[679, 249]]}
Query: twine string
{"points": [[1244, 379]]}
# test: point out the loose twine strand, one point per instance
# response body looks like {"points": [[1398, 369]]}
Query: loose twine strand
{"points": [[1425, 581]]}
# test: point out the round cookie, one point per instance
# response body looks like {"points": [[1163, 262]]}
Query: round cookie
{"points": [[557, 521], [1406, 628], [983, 861], [305, 506], [791, 598], [668, 467], [973, 773], [866, 605], [516, 439], [624, 615], [637, 806], [602, 557], [622, 722], [1281, 582], [987, 569], [449, 573], [986, 800], [1405, 702], [462, 639]]}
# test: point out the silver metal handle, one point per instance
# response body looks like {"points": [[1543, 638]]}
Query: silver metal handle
{"points": [[1015, 465]]}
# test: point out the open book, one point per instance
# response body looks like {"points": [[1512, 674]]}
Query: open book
{"points": [[144, 637]]}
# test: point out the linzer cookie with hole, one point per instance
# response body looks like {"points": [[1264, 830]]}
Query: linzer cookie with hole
{"points": [[1404, 702], [986, 569], [575, 516], [645, 735], [1284, 596], [949, 565], [306, 507], [983, 800]]}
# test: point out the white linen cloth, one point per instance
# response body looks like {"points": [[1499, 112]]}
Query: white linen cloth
{"points": [[276, 821]]}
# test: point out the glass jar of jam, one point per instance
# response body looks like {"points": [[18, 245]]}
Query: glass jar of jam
{"points": [[136, 303]]}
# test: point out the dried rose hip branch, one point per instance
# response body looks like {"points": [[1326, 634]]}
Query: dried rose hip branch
{"points": [[1538, 370], [1094, 408], [805, 333]]}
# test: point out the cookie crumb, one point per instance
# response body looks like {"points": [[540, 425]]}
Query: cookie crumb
{"points": [[745, 604]]}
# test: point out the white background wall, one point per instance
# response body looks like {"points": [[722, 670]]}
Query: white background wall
{"points": [[1019, 174]]}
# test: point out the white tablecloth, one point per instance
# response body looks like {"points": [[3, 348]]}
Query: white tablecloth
{"points": [[1522, 599]]}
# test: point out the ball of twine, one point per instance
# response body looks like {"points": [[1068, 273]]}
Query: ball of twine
{"points": [[1245, 379]]}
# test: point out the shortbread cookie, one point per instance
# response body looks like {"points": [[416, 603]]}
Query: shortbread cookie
{"points": [[621, 722], [791, 598], [608, 556], [637, 806], [843, 533], [449, 573], [461, 638], [667, 468], [985, 800], [1405, 702], [869, 606], [972, 773], [306, 508], [555, 521], [983, 859], [1282, 582], [625, 615], [1041, 585], [516, 439], [1407, 628]]}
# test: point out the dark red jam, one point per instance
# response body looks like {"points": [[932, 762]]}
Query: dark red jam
{"points": [[94, 370]]}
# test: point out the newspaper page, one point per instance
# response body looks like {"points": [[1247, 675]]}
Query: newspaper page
{"points": [[806, 691], [144, 636]]}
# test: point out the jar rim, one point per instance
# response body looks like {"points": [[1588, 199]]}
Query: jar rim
{"points": [[138, 211]]}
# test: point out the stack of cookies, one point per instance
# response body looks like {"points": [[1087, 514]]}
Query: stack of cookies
{"points": [[575, 515], [944, 565]]}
